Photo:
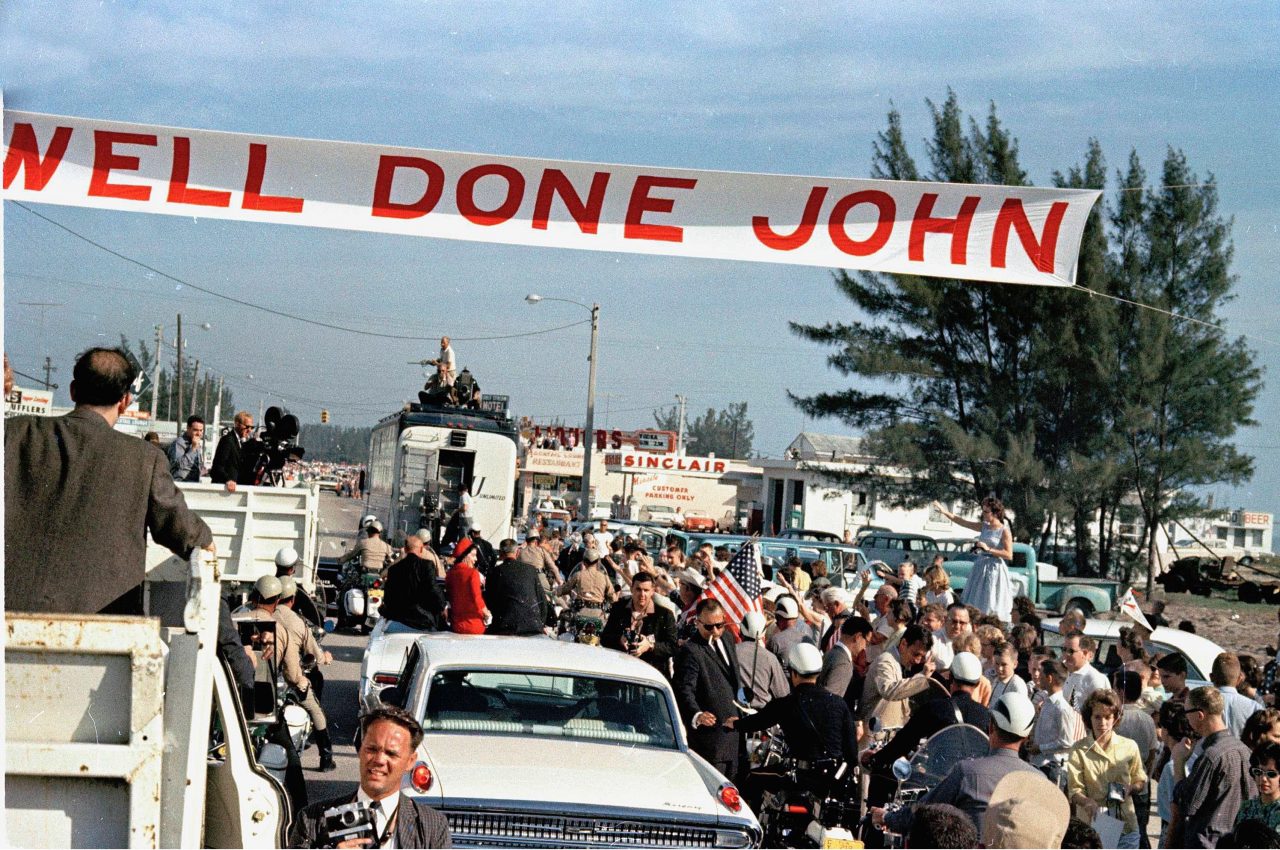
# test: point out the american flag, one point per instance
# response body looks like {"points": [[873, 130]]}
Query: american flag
{"points": [[738, 584]]}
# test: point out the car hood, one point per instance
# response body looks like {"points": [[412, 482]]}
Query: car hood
{"points": [[546, 772]]}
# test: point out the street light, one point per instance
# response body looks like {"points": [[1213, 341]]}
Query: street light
{"points": [[590, 435]]}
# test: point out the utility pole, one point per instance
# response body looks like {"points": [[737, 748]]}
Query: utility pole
{"points": [[49, 369], [680, 426], [178, 418], [584, 506], [155, 380], [195, 385]]}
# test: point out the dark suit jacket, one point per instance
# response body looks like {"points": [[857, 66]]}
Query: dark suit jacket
{"points": [[233, 462], [79, 500], [417, 824], [704, 683], [935, 716], [515, 598], [661, 624], [410, 595]]}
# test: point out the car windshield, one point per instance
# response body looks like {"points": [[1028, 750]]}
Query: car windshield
{"points": [[549, 705]]}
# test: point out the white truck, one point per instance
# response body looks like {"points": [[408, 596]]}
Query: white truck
{"points": [[128, 731]]}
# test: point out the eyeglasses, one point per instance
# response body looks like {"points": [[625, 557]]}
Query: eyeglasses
{"points": [[1191, 710], [712, 626], [1258, 773]]}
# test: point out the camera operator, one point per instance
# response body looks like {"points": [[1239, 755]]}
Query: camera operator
{"points": [[376, 814], [236, 457]]}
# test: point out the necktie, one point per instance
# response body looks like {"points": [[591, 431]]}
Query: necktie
{"points": [[375, 810]]}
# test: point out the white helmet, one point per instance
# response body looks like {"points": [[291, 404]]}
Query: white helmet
{"points": [[267, 587], [368, 519], [1015, 714], [286, 556], [753, 625], [805, 659], [288, 587]]}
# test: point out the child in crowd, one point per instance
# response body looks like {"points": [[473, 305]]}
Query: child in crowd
{"points": [[937, 584], [1005, 658]]}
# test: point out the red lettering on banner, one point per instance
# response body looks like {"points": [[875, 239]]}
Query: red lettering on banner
{"points": [[253, 197], [641, 203], [888, 210], [770, 238], [106, 160], [505, 210], [24, 153], [923, 222], [384, 207], [179, 191], [585, 214], [1042, 250]]}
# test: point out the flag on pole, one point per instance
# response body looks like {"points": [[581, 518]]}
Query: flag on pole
{"points": [[737, 587], [1129, 606]]}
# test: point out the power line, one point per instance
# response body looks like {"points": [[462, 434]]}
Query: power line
{"points": [[1170, 313], [271, 310]]}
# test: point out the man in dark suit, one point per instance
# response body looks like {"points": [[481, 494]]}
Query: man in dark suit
{"points": [[237, 454], [410, 594], [80, 498], [388, 748], [706, 686], [513, 592], [840, 665]]}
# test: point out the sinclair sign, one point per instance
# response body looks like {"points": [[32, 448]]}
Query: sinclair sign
{"points": [[670, 464]]}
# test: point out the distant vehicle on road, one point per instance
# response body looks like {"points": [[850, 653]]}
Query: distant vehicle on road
{"points": [[810, 534], [560, 723], [330, 484]]}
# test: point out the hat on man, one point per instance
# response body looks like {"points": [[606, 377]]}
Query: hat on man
{"points": [[691, 577], [286, 556], [533, 534], [267, 587], [753, 625], [1014, 713], [464, 546], [787, 609], [805, 659], [966, 668], [288, 587], [774, 592], [820, 583], [1026, 810], [591, 556]]}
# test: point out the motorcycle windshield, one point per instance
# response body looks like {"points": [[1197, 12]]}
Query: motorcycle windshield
{"points": [[947, 748]]}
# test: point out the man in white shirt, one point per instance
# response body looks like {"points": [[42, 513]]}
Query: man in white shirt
{"points": [[883, 624], [604, 536], [1077, 655], [388, 748], [1059, 725], [446, 363], [1236, 707]]}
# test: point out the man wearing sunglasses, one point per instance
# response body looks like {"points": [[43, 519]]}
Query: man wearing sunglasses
{"points": [[707, 686], [1208, 798]]}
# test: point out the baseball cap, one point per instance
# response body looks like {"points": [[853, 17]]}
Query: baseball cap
{"points": [[464, 546], [805, 659], [787, 609], [966, 667], [1015, 714]]}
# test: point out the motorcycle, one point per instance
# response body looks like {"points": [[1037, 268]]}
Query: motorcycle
{"points": [[579, 622], [930, 764], [359, 598], [817, 805]]}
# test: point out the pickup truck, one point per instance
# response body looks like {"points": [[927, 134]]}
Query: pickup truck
{"points": [[1040, 583]]}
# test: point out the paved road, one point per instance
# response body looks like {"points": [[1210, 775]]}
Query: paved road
{"points": [[338, 520]]}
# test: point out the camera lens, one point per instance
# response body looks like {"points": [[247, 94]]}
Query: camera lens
{"points": [[348, 818]]}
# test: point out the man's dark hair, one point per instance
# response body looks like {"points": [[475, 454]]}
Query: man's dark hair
{"points": [[916, 633], [856, 626], [902, 609], [941, 825], [507, 548], [1173, 663], [193, 419], [102, 376], [708, 605], [372, 530], [1128, 684], [642, 577], [1187, 626], [1080, 836], [1173, 720], [396, 715], [1055, 668]]}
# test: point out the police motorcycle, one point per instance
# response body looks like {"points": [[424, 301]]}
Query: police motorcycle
{"points": [[930, 764], [817, 805], [581, 622], [359, 593]]}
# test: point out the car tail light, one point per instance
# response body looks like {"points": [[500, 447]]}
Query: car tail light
{"points": [[421, 777], [797, 809], [386, 678], [730, 797], [377, 583]]}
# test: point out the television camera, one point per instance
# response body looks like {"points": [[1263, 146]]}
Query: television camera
{"points": [[276, 446]]}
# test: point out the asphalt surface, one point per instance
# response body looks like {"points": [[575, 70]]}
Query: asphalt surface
{"points": [[338, 520]]}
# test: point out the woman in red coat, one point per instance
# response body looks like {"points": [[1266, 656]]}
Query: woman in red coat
{"points": [[467, 611]]}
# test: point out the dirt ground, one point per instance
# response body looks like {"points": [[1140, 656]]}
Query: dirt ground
{"points": [[1247, 629]]}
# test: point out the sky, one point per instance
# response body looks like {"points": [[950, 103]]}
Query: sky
{"points": [[796, 88]]}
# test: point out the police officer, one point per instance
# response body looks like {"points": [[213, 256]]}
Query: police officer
{"points": [[300, 636], [816, 723], [372, 551], [589, 585]]}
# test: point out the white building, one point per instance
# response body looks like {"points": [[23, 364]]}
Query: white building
{"points": [[1237, 532]]}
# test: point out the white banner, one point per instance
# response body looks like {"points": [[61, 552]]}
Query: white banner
{"points": [[992, 233], [21, 401]]}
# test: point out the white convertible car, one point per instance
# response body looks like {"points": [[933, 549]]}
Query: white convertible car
{"points": [[540, 743]]}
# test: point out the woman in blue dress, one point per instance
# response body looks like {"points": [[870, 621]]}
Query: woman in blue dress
{"points": [[989, 589]]}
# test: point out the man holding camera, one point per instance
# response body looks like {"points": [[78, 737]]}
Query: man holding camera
{"points": [[376, 815]]}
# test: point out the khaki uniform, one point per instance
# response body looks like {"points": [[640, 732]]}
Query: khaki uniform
{"points": [[300, 642], [374, 554], [590, 585]]}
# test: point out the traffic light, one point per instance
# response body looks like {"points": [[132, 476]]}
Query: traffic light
{"points": [[324, 417]]}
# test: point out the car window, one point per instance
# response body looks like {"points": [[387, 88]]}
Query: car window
{"points": [[576, 706]]}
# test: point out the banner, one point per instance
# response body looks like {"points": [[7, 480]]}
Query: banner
{"points": [[991, 233], [1129, 606], [22, 401]]}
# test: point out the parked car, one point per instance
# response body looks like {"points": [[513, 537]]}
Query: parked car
{"points": [[1039, 581], [663, 514], [698, 521], [810, 534], [893, 547], [1198, 651], [560, 723], [843, 563], [330, 484]]}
